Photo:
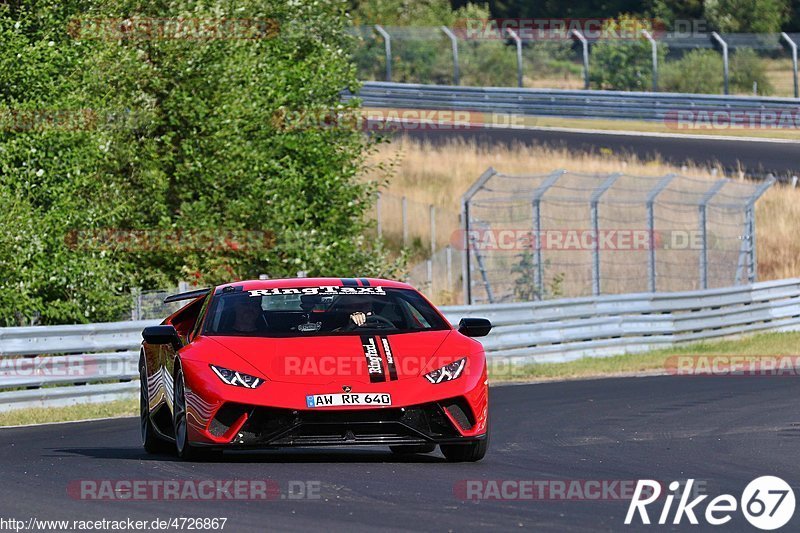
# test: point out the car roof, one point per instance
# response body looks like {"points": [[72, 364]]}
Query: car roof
{"points": [[256, 284]]}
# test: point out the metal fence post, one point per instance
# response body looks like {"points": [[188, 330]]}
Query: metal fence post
{"points": [[449, 262], [609, 181], [136, 303], [585, 45], [654, 48], [651, 199], [404, 203], [387, 45], [724, 45], [536, 199], [432, 211], [378, 215], [518, 42], [753, 270], [793, 46], [429, 273], [454, 43], [714, 189], [466, 266], [744, 249]]}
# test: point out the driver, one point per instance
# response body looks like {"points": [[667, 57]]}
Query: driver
{"points": [[247, 313], [359, 308]]}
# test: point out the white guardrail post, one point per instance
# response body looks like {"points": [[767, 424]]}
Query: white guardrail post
{"points": [[724, 46], [654, 50], [518, 42], [387, 47], [454, 44], [793, 46], [585, 48]]}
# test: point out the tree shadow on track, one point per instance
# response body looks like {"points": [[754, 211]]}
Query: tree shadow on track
{"points": [[266, 456]]}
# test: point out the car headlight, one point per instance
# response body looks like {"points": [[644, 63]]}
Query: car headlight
{"points": [[447, 372], [238, 379]]}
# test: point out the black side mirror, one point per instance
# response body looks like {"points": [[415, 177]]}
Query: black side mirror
{"points": [[162, 335], [474, 327]]}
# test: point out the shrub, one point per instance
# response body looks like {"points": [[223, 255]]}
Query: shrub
{"points": [[700, 71]]}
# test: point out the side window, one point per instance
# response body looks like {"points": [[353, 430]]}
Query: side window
{"points": [[416, 315], [184, 320], [199, 322]]}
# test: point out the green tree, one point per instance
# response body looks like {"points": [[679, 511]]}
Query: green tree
{"points": [[185, 138], [622, 59], [747, 16]]}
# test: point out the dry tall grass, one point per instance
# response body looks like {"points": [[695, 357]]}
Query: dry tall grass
{"points": [[439, 175]]}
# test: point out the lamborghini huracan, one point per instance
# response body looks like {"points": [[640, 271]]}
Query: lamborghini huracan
{"points": [[344, 362]]}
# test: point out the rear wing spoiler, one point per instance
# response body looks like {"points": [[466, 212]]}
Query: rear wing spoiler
{"points": [[191, 295]]}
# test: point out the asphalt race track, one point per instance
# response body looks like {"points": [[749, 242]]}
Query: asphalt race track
{"points": [[757, 158], [720, 431]]}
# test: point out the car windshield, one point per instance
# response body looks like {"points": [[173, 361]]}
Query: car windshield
{"points": [[316, 311]]}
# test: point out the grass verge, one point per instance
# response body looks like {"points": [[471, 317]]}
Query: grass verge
{"points": [[765, 344], [43, 415]]}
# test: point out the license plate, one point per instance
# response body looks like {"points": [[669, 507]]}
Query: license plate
{"points": [[360, 399]]}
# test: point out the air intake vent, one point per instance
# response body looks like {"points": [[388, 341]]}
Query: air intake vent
{"points": [[461, 413]]}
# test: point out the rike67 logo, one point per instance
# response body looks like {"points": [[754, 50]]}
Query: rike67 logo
{"points": [[767, 503]]}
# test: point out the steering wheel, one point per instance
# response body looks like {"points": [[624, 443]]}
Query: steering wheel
{"points": [[376, 321]]}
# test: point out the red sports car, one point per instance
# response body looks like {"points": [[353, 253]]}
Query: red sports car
{"points": [[313, 362]]}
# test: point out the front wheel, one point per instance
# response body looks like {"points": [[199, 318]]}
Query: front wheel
{"points": [[471, 452], [183, 447]]}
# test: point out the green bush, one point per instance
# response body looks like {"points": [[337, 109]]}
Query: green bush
{"points": [[623, 64], [700, 71], [745, 68], [185, 139]]}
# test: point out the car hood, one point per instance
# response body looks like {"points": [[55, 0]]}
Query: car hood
{"points": [[321, 360]]}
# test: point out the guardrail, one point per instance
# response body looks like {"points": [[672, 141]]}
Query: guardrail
{"points": [[546, 331], [570, 103], [94, 363]]}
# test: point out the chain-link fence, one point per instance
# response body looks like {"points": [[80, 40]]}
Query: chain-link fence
{"points": [[567, 234], [149, 304], [503, 58], [425, 232]]}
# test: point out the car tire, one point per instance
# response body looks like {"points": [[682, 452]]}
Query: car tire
{"points": [[462, 453], [407, 449], [151, 441], [183, 447]]}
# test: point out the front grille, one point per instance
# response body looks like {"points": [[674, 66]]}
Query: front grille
{"points": [[285, 427]]}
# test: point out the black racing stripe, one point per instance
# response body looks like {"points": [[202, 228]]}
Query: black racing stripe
{"points": [[374, 360], [364, 282], [387, 350], [349, 282]]}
